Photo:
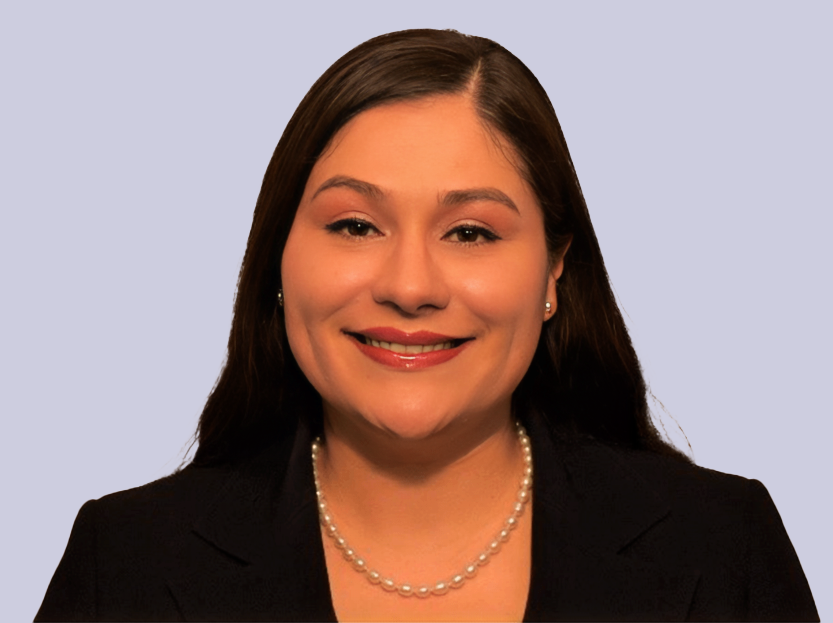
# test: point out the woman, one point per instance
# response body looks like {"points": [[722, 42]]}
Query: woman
{"points": [[431, 408]]}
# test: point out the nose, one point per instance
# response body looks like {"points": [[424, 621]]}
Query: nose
{"points": [[411, 280]]}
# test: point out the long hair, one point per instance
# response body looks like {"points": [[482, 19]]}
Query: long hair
{"points": [[585, 378]]}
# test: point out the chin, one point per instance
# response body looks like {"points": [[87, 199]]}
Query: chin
{"points": [[410, 429], [410, 422]]}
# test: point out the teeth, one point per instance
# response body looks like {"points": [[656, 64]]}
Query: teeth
{"points": [[415, 349]]}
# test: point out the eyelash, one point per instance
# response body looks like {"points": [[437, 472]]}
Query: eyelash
{"points": [[339, 228]]}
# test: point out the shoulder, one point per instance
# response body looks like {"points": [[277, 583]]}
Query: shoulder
{"points": [[135, 533], [679, 480], [168, 504], [121, 544], [144, 527], [176, 501], [697, 499], [725, 527], [695, 504], [642, 499], [663, 506], [675, 480], [129, 551]]}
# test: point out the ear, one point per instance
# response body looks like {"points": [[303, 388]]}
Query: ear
{"points": [[554, 273]]}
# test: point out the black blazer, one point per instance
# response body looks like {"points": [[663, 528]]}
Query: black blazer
{"points": [[616, 535]]}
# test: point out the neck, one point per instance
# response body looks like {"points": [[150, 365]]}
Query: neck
{"points": [[448, 492]]}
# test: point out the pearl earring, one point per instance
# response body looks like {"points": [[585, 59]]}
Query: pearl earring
{"points": [[548, 307], [280, 298]]}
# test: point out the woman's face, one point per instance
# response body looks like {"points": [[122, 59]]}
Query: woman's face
{"points": [[416, 233]]}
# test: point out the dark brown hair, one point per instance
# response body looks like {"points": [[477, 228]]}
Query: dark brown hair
{"points": [[585, 378]]}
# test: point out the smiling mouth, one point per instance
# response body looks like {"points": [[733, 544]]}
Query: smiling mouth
{"points": [[409, 349]]}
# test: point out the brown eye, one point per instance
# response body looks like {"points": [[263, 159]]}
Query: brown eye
{"points": [[467, 234], [358, 228], [352, 228], [472, 234]]}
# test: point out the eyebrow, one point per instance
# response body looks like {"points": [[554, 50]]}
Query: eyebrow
{"points": [[459, 197], [371, 191], [450, 199]]}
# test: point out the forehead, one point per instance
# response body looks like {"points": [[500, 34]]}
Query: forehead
{"points": [[431, 144]]}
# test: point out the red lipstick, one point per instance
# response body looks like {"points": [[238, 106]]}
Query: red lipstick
{"points": [[407, 361]]}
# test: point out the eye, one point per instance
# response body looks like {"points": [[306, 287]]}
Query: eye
{"points": [[472, 235], [352, 228]]}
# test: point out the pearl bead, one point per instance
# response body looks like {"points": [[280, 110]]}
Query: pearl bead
{"points": [[374, 576], [349, 554], [423, 591], [512, 523], [526, 450], [524, 440], [526, 482], [483, 558], [340, 543], [523, 495], [331, 529], [388, 584], [405, 590], [457, 581], [471, 570], [528, 471], [494, 547], [359, 564], [440, 588], [326, 519], [503, 535], [518, 509]]}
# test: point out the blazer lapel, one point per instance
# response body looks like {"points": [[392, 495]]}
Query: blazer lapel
{"points": [[587, 507], [256, 552]]}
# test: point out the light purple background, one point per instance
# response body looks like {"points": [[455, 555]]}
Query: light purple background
{"points": [[133, 139]]}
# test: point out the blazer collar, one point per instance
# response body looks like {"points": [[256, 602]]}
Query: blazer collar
{"points": [[256, 551]]}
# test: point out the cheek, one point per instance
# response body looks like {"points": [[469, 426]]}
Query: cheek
{"points": [[508, 296], [508, 291], [317, 283], [315, 279]]}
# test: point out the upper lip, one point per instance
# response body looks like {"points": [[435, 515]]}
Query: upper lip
{"points": [[389, 334]]}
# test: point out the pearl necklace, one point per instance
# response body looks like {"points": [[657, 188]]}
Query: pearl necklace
{"points": [[458, 579]]}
